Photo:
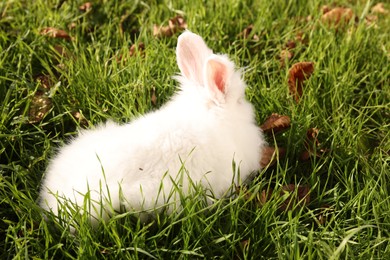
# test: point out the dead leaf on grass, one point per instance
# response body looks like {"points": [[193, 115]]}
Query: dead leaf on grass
{"points": [[297, 74], [135, 49], [302, 38], [175, 25], [336, 17], [85, 7], [72, 26], [39, 107], [379, 8], [247, 32], [371, 19], [153, 98], [325, 213], [287, 52], [285, 55], [264, 196], [312, 145], [80, 119], [243, 189], [270, 155], [55, 33], [245, 244], [297, 196], [44, 81], [275, 123], [60, 50]]}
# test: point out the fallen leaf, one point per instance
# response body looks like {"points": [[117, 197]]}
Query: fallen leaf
{"points": [[247, 32], [175, 24], [85, 7], [243, 190], [301, 197], [291, 44], [55, 33], [275, 123], [80, 118], [153, 98], [285, 55], [72, 25], [264, 196], [135, 49], [302, 38], [44, 81], [337, 16], [323, 216], [379, 8], [269, 155], [245, 244], [298, 73], [40, 105], [371, 19], [325, 9], [60, 50], [312, 145]]}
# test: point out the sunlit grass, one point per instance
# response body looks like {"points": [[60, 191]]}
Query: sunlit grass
{"points": [[347, 99]]}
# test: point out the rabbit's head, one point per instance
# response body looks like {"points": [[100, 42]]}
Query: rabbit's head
{"points": [[214, 75]]}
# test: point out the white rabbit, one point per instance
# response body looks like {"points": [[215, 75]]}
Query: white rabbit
{"points": [[205, 126]]}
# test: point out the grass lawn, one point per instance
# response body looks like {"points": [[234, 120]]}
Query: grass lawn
{"points": [[53, 83]]}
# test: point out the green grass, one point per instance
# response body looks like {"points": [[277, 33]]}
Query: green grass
{"points": [[347, 98]]}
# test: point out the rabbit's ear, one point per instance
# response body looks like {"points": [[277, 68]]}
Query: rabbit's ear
{"points": [[191, 54], [217, 73]]}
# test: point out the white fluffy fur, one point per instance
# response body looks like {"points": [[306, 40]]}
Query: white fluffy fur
{"points": [[202, 128]]}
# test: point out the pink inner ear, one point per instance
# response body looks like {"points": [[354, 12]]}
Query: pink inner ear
{"points": [[217, 74]]}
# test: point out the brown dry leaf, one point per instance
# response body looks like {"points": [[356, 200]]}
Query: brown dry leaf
{"points": [[285, 55], [40, 105], [298, 73], [153, 98], [44, 81], [269, 156], [85, 7], [244, 190], [246, 33], [72, 26], [245, 244], [80, 118], [312, 145], [175, 24], [371, 19], [60, 50], [325, 9], [291, 44], [337, 16], [135, 49], [55, 33], [275, 123], [379, 8], [301, 198], [325, 212], [264, 196], [302, 38]]}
